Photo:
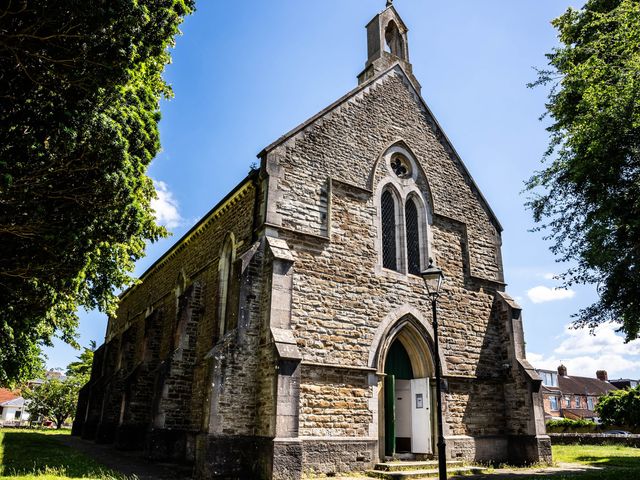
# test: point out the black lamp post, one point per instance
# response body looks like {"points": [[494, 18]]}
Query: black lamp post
{"points": [[433, 279]]}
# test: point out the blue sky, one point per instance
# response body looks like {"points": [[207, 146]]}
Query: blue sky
{"points": [[244, 73]]}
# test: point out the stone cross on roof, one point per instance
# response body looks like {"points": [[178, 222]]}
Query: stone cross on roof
{"points": [[389, 3]]}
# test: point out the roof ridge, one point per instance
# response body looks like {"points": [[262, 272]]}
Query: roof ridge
{"points": [[397, 65]]}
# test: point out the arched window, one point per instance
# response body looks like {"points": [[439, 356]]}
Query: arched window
{"points": [[225, 269], [413, 237], [404, 216], [393, 40], [389, 247]]}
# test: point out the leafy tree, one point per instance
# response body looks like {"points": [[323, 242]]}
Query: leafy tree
{"points": [[80, 85], [587, 198], [82, 367], [620, 407], [54, 399]]}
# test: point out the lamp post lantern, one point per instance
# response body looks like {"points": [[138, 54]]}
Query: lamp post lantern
{"points": [[433, 279]]}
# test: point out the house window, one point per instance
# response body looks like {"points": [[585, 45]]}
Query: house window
{"points": [[389, 247], [413, 237], [18, 414], [567, 402], [577, 402], [553, 402], [549, 379], [590, 403]]}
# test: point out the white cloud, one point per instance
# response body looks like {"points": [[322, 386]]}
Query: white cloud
{"points": [[605, 341], [583, 354], [541, 294], [165, 206], [586, 366], [549, 276]]}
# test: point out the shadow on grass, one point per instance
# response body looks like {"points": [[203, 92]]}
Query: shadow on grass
{"points": [[578, 474], [32, 453], [593, 468], [611, 461]]}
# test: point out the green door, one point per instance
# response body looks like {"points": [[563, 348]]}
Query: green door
{"points": [[397, 366], [389, 415]]}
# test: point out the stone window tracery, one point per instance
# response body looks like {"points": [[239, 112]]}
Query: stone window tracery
{"points": [[401, 166], [404, 218]]}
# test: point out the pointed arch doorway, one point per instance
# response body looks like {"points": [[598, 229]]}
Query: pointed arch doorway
{"points": [[407, 400]]}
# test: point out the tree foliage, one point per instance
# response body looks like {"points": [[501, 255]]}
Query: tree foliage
{"points": [[80, 85], [620, 407], [82, 367], [587, 197], [55, 399]]}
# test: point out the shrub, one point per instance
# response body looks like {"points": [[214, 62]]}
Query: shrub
{"points": [[620, 407], [566, 424]]}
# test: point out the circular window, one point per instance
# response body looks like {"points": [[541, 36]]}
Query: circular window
{"points": [[401, 166]]}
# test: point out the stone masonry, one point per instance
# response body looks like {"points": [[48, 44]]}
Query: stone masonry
{"points": [[256, 346]]}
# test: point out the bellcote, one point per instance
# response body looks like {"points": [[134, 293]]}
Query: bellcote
{"points": [[387, 43]]}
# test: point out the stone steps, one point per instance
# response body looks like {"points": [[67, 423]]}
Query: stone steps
{"points": [[413, 465], [428, 469]]}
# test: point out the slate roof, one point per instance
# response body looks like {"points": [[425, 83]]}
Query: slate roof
{"points": [[624, 382]]}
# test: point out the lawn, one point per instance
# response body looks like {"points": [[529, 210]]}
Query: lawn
{"points": [[30, 454], [614, 462]]}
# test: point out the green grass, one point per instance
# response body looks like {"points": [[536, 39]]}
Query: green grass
{"points": [[608, 462], [37, 454], [612, 461]]}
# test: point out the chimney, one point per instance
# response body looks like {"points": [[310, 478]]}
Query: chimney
{"points": [[602, 375], [562, 371]]}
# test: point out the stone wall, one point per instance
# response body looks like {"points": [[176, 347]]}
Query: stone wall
{"points": [[334, 402], [594, 439], [162, 347], [294, 383], [324, 183]]}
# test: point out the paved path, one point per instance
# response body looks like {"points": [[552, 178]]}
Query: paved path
{"points": [[132, 464], [135, 465], [514, 473]]}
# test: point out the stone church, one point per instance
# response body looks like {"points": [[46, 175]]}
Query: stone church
{"points": [[262, 344]]}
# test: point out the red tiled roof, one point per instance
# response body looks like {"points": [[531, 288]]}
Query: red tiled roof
{"points": [[577, 413], [580, 386], [6, 394]]}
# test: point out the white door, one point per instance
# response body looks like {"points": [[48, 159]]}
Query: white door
{"points": [[420, 416], [403, 416]]}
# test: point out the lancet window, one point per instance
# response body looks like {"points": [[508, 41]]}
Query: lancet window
{"points": [[225, 269], [389, 228], [403, 216]]}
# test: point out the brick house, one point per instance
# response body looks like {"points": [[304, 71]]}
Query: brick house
{"points": [[289, 330], [572, 397]]}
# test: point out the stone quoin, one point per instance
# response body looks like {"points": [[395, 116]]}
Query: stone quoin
{"points": [[289, 331]]}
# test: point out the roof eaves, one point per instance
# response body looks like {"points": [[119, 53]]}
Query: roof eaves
{"points": [[205, 219]]}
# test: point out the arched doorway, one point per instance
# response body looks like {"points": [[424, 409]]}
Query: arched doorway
{"points": [[407, 401]]}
